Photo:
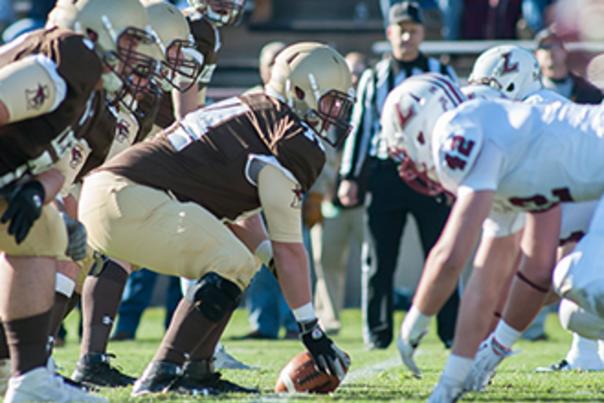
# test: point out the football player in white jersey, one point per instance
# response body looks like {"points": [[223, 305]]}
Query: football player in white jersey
{"points": [[502, 160], [515, 71]]}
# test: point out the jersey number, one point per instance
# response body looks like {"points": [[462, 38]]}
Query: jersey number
{"points": [[539, 202], [464, 149]]}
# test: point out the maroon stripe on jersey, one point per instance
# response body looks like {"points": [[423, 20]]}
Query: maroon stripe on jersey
{"points": [[444, 85]]}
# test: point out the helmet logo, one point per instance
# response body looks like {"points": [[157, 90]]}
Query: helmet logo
{"points": [[508, 66], [404, 117], [421, 139]]}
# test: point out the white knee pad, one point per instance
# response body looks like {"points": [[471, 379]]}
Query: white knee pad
{"points": [[64, 285], [576, 319]]}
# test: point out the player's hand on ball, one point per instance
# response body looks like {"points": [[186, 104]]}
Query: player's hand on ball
{"points": [[328, 357]]}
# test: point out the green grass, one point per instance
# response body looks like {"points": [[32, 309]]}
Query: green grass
{"points": [[515, 381]]}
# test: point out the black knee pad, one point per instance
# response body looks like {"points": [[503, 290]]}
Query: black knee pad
{"points": [[214, 296]]}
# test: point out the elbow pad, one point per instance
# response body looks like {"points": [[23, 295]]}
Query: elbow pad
{"points": [[31, 87]]}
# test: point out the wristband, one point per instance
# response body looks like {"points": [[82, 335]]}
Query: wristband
{"points": [[305, 313]]}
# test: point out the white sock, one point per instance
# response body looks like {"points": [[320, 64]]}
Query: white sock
{"points": [[457, 368], [582, 350], [415, 324], [506, 335]]}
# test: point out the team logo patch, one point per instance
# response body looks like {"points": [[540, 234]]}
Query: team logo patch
{"points": [[76, 157], [298, 195], [122, 131], [36, 97]]}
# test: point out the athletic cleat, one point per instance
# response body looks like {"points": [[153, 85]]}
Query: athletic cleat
{"points": [[95, 369], [224, 360], [4, 375], [42, 385], [445, 392], [159, 377], [489, 356], [564, 365], [406, 349], [202, 374]]}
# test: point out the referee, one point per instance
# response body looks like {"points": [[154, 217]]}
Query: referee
{"points": [[366, 166]]}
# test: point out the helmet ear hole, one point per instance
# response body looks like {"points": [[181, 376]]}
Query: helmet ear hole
{"points": [[92, 35], [510, 87], [299, 93]]}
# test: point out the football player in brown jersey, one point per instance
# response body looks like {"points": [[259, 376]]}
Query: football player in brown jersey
{"points": [[71, 73], [163, 205], [186, 70], [101, 294]]}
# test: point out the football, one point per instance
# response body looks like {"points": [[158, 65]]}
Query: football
{"points": [[300, 375]]}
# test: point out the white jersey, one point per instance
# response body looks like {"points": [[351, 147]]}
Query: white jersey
{"points": [[544, 96], [532, 156]]}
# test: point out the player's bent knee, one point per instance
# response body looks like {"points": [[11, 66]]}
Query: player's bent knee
{"points": [[576, 319], [214, 296]]}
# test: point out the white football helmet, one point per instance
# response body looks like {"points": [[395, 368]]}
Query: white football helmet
{"points": [[181, 63], [220, 12], [408, 119], [316, 83], [510, 69], [482, 91]]}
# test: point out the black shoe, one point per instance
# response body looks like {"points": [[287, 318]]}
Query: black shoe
{"points": [[76, 384], [254, 335], [95, 369], [159, 376], [202, 375]]}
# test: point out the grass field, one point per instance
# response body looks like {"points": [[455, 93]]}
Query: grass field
{"points": [[374, 375]]}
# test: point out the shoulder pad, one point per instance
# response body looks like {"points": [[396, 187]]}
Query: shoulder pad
{"points": [[455, 150], [77, 63]]}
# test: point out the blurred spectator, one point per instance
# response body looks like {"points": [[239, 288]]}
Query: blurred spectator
{"points": [[341, 236], [30, 14], [490, 19], [137, 297], [267, 308], [450, 10], [533, 12], [391, 199], [552, 56]]}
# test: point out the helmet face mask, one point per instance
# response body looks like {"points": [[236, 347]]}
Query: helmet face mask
{"points": [[182, 66], [220, 12], [180, 62], [333, 111], [131, 67], [420, 180]]}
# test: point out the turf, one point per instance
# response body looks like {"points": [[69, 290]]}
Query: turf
{"points": [[374, 375]]}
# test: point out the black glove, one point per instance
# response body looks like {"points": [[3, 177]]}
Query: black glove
{"points": [[328, 357], [76, 238], [25, 202]]}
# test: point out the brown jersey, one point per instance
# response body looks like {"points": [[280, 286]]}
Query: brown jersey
{"points": [[207, 40], [79, 66], [206, 157]]}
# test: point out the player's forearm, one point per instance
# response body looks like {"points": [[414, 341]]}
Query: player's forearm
{"points": [[293, 273], [52, 181], [438, 282], [494, 265]]}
